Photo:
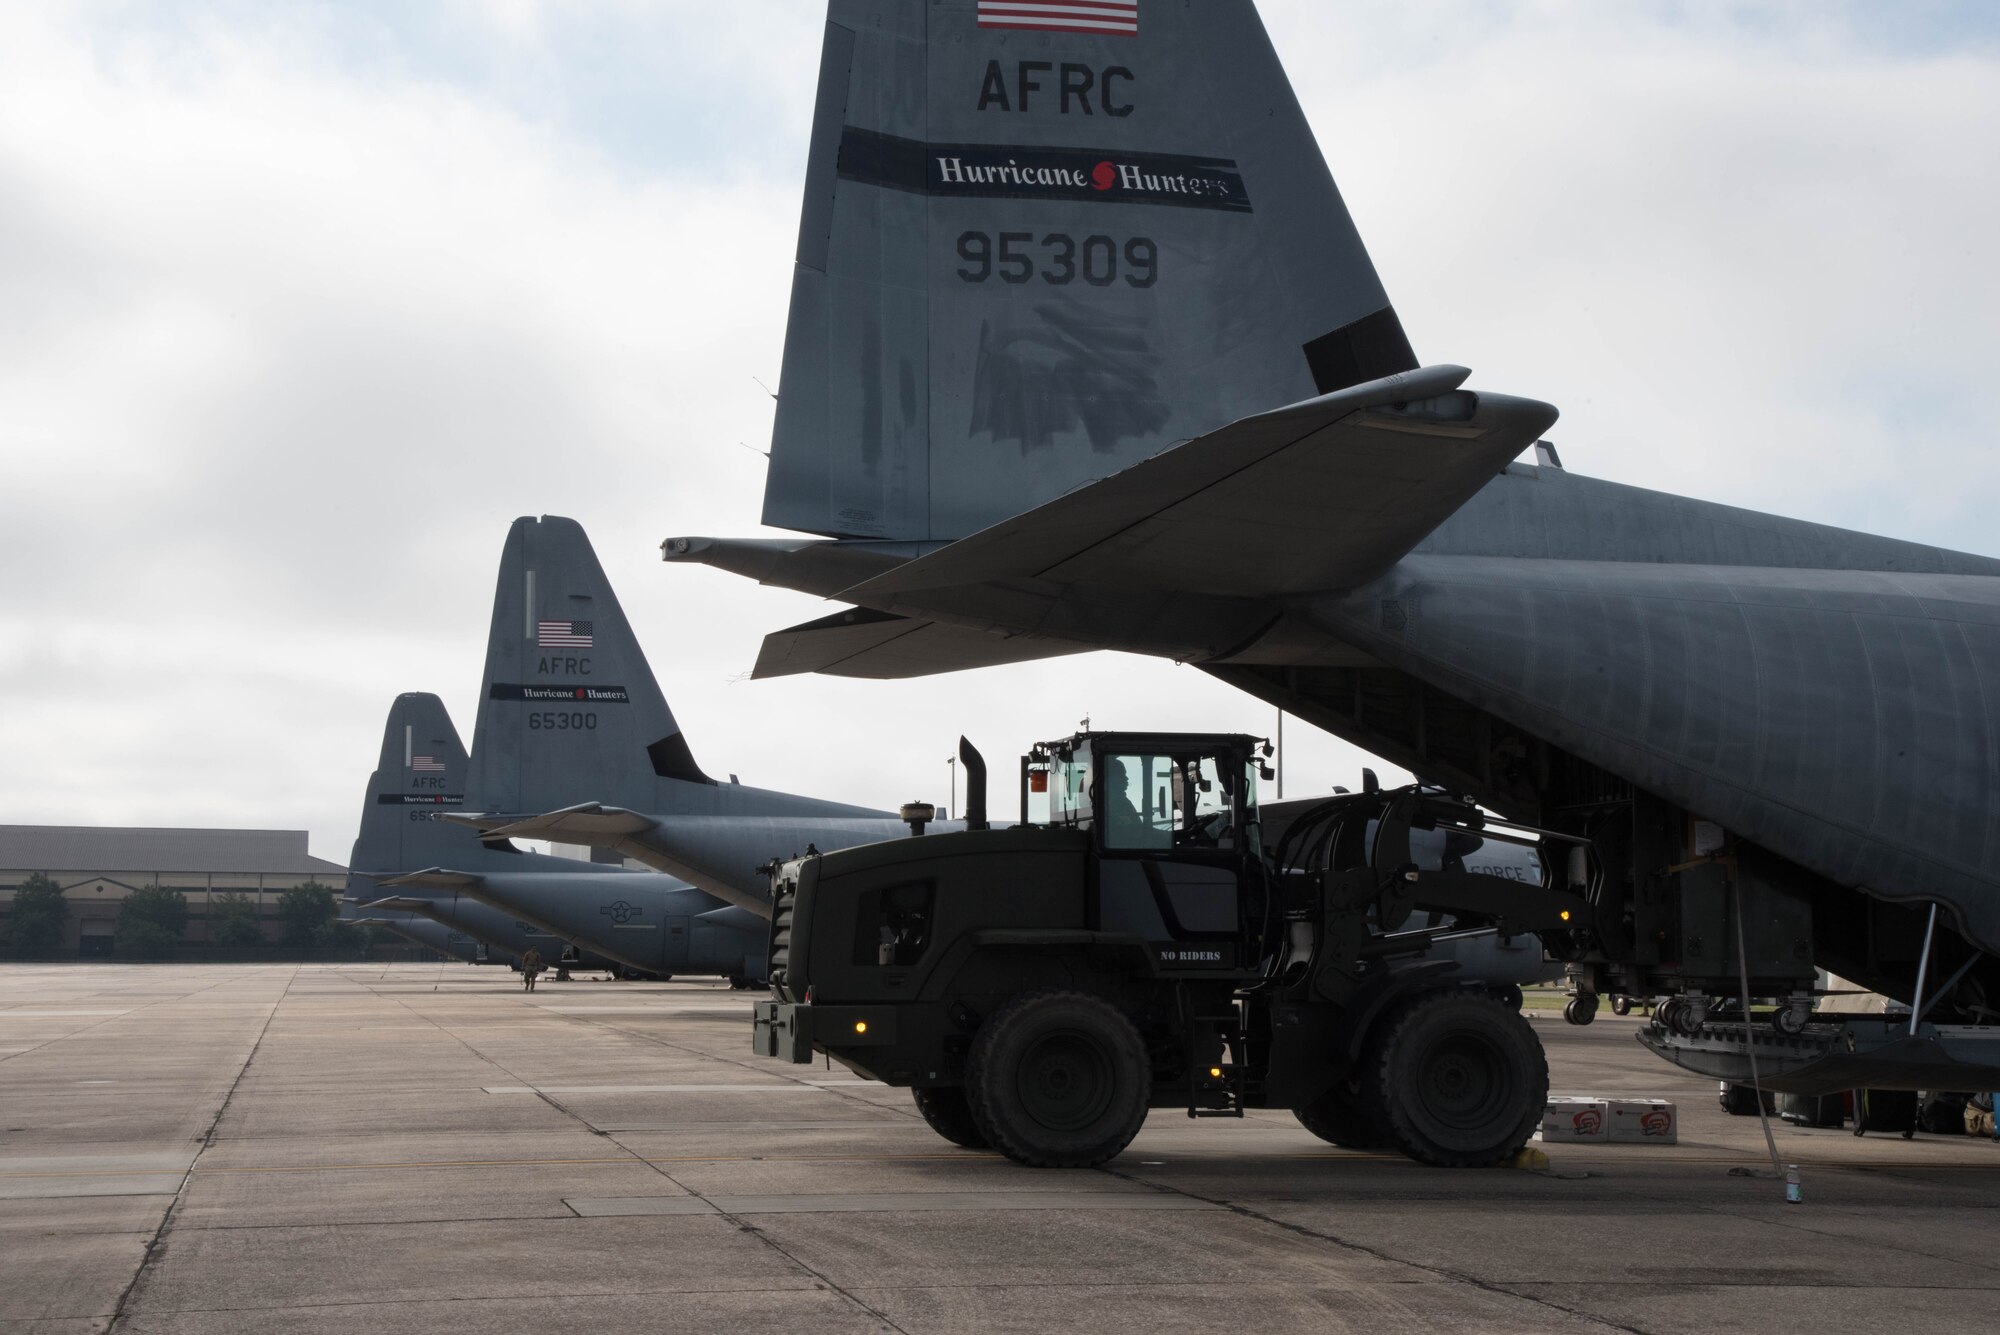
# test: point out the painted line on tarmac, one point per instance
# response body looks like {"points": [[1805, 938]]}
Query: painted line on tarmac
{"points": [[791, 1087], [19, 1014], [959, 1202], [627, 1160]]}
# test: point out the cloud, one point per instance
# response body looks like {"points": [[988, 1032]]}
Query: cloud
{"points": [[299, 306], [1744, 256]]}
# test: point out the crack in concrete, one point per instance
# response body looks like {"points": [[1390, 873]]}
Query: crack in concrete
{"points": [[156, 1246], [1455, 1276], [639, 1158]]}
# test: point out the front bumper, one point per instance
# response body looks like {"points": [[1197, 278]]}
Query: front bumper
{"points": [[792, 1030]]}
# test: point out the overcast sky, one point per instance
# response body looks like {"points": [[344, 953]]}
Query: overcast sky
{"points": [[300, 305]]}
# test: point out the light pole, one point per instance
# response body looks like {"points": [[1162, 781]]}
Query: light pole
{"points": [[1281, 756], [951, 763]]}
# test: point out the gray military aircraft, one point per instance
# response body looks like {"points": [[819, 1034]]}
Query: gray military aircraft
{"points": [[1085, 352], [610, 917], [575, 742]]}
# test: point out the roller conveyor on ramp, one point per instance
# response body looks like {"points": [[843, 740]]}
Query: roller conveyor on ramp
{"points": [[1848, 1052]]}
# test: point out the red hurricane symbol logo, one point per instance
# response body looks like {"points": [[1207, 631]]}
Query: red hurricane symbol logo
{"points": [[579, 692], [1588, 1121], [1103, 176], [1655, 1123]]}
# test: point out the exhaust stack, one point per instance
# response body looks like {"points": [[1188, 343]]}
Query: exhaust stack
{"points": [[975, 785]]}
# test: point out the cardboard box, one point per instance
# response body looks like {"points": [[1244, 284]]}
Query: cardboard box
{"points": [[1569, 1119], [1644, 1121]]}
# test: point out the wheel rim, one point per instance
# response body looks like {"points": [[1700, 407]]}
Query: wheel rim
{"points": [[1462, 1082], [1065, 1081]]}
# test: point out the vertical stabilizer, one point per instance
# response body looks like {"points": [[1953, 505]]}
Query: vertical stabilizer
{"points": [[569, 710], [1040, 243], [420, 774]]}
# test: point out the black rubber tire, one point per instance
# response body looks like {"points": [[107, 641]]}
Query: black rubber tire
{"points": [[950, 1115], [1737, 1100], [1621, 1005], [1509, 995], [1342, 1117], [1058, 1080], [1457, 1080]]}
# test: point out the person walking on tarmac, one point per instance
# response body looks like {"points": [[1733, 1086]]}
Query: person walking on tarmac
{"points": [[531, 968]]}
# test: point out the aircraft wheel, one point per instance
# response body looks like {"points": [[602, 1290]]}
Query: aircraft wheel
{"points": [[1621, 1005], [1341, 1117], [1580, 1010], [1458, 1080], [948, 1114], [1058, 1080], [1509, 995]]}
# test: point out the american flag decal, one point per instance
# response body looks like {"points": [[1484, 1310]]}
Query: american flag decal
{"points": [[1116, 18], [427, 764], [563, 634]]}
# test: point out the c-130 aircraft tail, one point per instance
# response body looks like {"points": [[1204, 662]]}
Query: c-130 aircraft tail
{"points": [[1107, 237], [569, 709]]}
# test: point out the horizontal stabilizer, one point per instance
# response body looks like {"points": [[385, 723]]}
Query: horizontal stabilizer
{"points": [[860, 642], [735, 915], [1344, 485], [397, 904], [437, 878], [586, 823]]}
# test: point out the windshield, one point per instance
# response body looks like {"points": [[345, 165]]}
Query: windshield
{"points": [[1164, 802]]}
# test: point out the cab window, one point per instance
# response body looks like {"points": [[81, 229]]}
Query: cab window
{"points": [[1137, 797], [1161, 803]]}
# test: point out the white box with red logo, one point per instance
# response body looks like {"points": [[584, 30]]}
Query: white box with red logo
{"points": [[1644, 1121], [1571, 1119]]}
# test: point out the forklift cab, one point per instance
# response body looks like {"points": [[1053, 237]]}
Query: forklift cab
{"points": [[1176, 854]]}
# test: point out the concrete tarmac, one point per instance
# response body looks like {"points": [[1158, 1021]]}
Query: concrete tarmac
{"points": [[428, 1148]]}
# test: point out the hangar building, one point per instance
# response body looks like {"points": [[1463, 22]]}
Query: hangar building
{"points": [[98, 865]]}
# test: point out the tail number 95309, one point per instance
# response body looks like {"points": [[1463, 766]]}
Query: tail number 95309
{"points": [[1058, 258], [551, 720]]}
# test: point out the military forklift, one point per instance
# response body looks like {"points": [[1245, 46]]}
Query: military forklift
{"points": [[1133, 944]]}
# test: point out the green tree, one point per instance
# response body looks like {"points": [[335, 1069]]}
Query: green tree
{"points": [[150, 922], [344, 938], [303, 910], [40, 913], [232, 920]]}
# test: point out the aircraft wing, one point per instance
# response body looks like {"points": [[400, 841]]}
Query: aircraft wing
{"points": [[1343, 485], [861, 642]]}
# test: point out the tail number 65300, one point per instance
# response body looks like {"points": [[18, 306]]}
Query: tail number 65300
{"points": [[557, 721]]}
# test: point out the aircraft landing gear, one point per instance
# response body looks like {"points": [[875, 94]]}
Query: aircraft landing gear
{"points": [[1581, 1008]]}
